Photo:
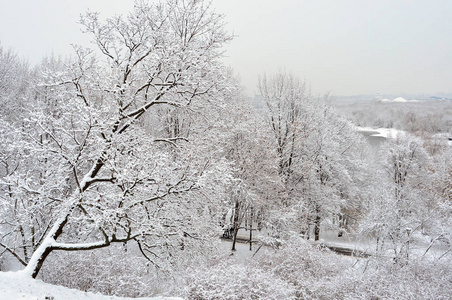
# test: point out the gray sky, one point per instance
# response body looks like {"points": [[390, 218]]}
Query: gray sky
{"points": [[343, 47]]}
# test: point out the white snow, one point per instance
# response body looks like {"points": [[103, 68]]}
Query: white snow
{"points": [[398, 99], [17, 285], [383, 132]]}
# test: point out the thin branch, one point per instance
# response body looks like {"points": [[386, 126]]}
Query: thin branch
{"points": [[171, 140], [14, 254]]}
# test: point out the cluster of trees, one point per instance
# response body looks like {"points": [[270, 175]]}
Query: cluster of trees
{"points": [[135, 150]]}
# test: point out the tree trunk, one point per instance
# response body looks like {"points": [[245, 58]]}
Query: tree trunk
{"points": [[34, 266], [317, 224], [341, 225], [251, 228], [235, 224], [39, 256], [234, 238]]}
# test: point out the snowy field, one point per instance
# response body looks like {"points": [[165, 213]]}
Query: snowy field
{"points": [[14, 285]]}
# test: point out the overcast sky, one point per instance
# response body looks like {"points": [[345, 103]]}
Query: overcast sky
{"points": [[344, 47]]}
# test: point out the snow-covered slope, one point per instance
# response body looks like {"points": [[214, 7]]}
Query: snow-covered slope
{"points": [[14, 285]]}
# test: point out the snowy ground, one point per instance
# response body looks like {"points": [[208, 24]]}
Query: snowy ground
{"points": [[368, 245], [242, 249], [355, 242], [14, 285]]}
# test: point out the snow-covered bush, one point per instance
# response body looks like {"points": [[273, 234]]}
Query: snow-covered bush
{"points": [[305, 267], [105, 271], [121, 270], [231, 279], [419, 279], [298, 270]]}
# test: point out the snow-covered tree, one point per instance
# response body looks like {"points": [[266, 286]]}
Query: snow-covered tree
{"points": [[320, 155], [400, 207], [15, 94], [107, 177], [249, 148]]}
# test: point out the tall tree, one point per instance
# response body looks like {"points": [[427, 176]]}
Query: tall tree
{"points": [[109, 179], [255, 171], [319, 152], [401, 206]]}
